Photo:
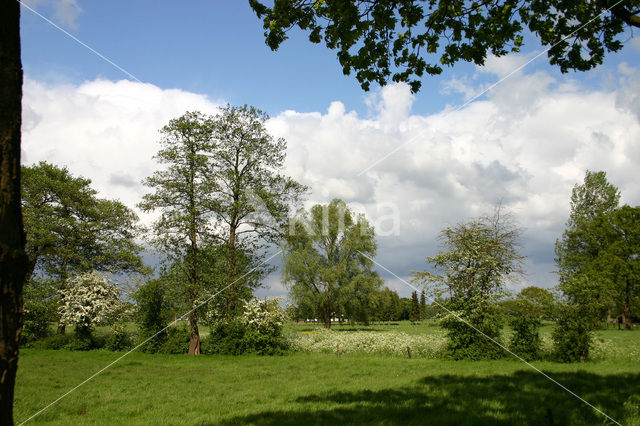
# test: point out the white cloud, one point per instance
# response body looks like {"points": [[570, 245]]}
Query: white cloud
{"points": [[505, 65], [66, 12], [525, 145], [106, 131]]}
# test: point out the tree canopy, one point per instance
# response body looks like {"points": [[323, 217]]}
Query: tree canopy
{"points": [[579, 248], [477, 257], [222, 197], [251, 197], [618, 256], [70, 229], [476, 260], [182, 191], [327, 263], [401, 40]]}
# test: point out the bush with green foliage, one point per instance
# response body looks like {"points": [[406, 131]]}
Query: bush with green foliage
{"points": [[177, 341], [35, 326], [152, 314], [257, 330], [525, 341], [40, 306], [472, 328], [57, 341], [119, 339], [573, 335]]}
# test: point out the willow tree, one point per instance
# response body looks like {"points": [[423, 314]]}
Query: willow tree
{"points": [[182, 192], [327, 259], [252, 197]]}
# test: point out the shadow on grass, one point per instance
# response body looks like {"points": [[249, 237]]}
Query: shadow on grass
{"points": [[519, 398]]}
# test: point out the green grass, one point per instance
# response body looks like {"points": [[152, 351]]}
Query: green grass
{"points": [[303, 388], [318, 389]]}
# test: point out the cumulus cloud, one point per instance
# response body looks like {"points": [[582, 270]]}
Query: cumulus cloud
{"points": [[525, 145], [104, 130]]}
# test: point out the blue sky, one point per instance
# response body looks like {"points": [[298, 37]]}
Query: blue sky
{"points": [[216, 48], [527, 142]]}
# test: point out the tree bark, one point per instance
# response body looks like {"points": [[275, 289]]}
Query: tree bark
{"points": [[231, 291], [62, 327], [194, 343], [327, 318], [13, 258]]}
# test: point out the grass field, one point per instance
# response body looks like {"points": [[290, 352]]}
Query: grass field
{"points": [[318, 388]]}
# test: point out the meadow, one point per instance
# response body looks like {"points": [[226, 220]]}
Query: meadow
{"points": [[318, 387]]}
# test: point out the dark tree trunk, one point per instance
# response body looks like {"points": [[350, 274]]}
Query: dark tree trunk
{"points": [[194, 343], [13, 259], [327, 318], [62, 327], [231, 291]]}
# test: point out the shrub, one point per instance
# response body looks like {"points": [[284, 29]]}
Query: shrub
{"points": [[36, 325], [57, 341], [227, 337], [119, 340], [177, 341], [525, 341], [257, 330], [40, 306], [572, 335], [471, 342], [90, 299], [152, 314], [84, 339], [77, 343]]}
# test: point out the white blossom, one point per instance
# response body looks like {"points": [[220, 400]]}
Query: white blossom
{"points": [[89, 299]]}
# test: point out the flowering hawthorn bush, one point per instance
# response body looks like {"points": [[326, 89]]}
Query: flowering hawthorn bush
{"points": [[90, 299], [258, 330], [264, 316]]}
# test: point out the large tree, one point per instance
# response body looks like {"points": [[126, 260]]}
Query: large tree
{"points": [[540, 300], [71, 230], [404, 39], [476, 260], [13, 259], [182, 191], [580, 244], [252, 197], [618, 256], [388, 306], [327, 251]]}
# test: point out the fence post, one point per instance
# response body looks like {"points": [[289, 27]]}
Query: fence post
{"points": [[409, 351]]}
